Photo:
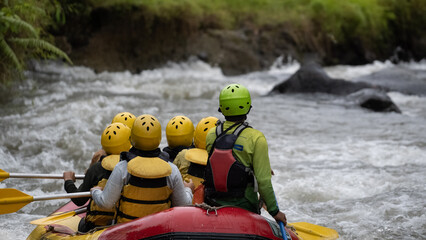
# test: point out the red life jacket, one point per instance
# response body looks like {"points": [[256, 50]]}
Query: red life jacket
{"points": [[224, 175]]}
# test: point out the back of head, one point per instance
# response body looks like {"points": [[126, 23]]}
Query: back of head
{"points": [[116, 138], [125, 118], [234, 100], [179, 132], [146, 133], [203, 127]]}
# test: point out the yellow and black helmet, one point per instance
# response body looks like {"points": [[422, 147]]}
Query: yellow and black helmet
{"points": [[125, 118], [180, 132], [203, 127], [116, 138], [146, 133]]}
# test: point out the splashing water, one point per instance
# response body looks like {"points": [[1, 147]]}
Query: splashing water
{"points": [[358, 172]]}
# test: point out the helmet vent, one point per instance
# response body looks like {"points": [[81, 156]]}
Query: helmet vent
{"points": [[109, 137], [114, 133], [153, 119], [241, 107], [106, 133], [232, 90], [227, 108], [177, 126], [173, 123], [147, 128], [181, 122], [207, 122], [118, 127], [205, 129], [142, 118], [143, 123], [125, 119], [152, 124]]}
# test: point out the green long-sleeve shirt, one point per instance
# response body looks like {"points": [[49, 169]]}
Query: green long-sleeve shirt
{"points": [[251, 149]]}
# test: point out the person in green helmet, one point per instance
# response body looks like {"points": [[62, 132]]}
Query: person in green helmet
{"points": [[238, 168]]}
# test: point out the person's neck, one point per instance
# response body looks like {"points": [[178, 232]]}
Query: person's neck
{"points": [[236, 119]]}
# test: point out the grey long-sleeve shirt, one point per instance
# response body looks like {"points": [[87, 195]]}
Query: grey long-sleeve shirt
{"points": [[107, 198]]}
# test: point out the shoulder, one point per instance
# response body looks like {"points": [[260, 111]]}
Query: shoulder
{"points": [[253, 132]]}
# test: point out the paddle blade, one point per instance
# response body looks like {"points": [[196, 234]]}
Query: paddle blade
{"points": [[3, 175], [314, 232], [58, 217], [53, 219], [11, 200]]}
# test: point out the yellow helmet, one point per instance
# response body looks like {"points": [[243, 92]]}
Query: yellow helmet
{"points": [[179, 132], [146, 133], [125, 118], [203, 127], [116, 138]]}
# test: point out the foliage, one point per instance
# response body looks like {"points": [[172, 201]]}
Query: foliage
{"points": [[363, 21], [22, 24]]}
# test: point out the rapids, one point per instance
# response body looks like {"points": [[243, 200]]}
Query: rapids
{"points": [[361, 173]]}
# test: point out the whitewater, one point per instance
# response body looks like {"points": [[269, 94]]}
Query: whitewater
{"points": [[359, 172]]}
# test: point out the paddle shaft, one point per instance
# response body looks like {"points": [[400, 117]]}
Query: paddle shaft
{"points": [[38, 175], [282, 228], [62, 196]]}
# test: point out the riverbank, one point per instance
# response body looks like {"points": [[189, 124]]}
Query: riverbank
{"points": [[137, 36]]}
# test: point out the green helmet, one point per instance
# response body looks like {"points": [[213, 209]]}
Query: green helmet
{"points": [[234, 100]]}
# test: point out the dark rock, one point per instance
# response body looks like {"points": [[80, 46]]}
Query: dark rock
{"points": [[311, 78], [374, 99]]}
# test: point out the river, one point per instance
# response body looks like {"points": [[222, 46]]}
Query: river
{"points": [[359, 172]]}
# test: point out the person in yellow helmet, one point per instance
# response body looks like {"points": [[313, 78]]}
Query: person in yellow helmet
{"points": [[180, 134], [144, 181], [238, 168], [191, 162], [125, 118], [114, 140]]}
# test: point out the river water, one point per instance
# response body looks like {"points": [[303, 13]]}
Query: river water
{"points": [[359, 172]]}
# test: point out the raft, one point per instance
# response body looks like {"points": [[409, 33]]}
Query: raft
{"points": [[188, 222]]}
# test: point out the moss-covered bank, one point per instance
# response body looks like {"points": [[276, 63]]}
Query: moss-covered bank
{"points": [[238, 35], [242, 36]]}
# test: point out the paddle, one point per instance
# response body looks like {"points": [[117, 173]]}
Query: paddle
{"points": [[11, 200], [282, 228], [58, 217], [4, 175], [314, 232]]}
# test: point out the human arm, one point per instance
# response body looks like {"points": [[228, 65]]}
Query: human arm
{"points": [[181, 195], [262, 171], [107, 197], [91, 178]]}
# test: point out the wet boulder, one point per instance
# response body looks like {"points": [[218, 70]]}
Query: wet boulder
{"points": [[311, 78], [373, 99]]}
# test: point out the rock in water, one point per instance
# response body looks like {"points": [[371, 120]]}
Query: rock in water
{"points": [[311, 78]]}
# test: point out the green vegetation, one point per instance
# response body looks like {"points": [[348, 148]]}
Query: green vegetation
{"points": [[315, 25], [23, 36]]}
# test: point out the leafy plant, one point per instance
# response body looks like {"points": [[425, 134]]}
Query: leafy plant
{"points": [[20, 25]]}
